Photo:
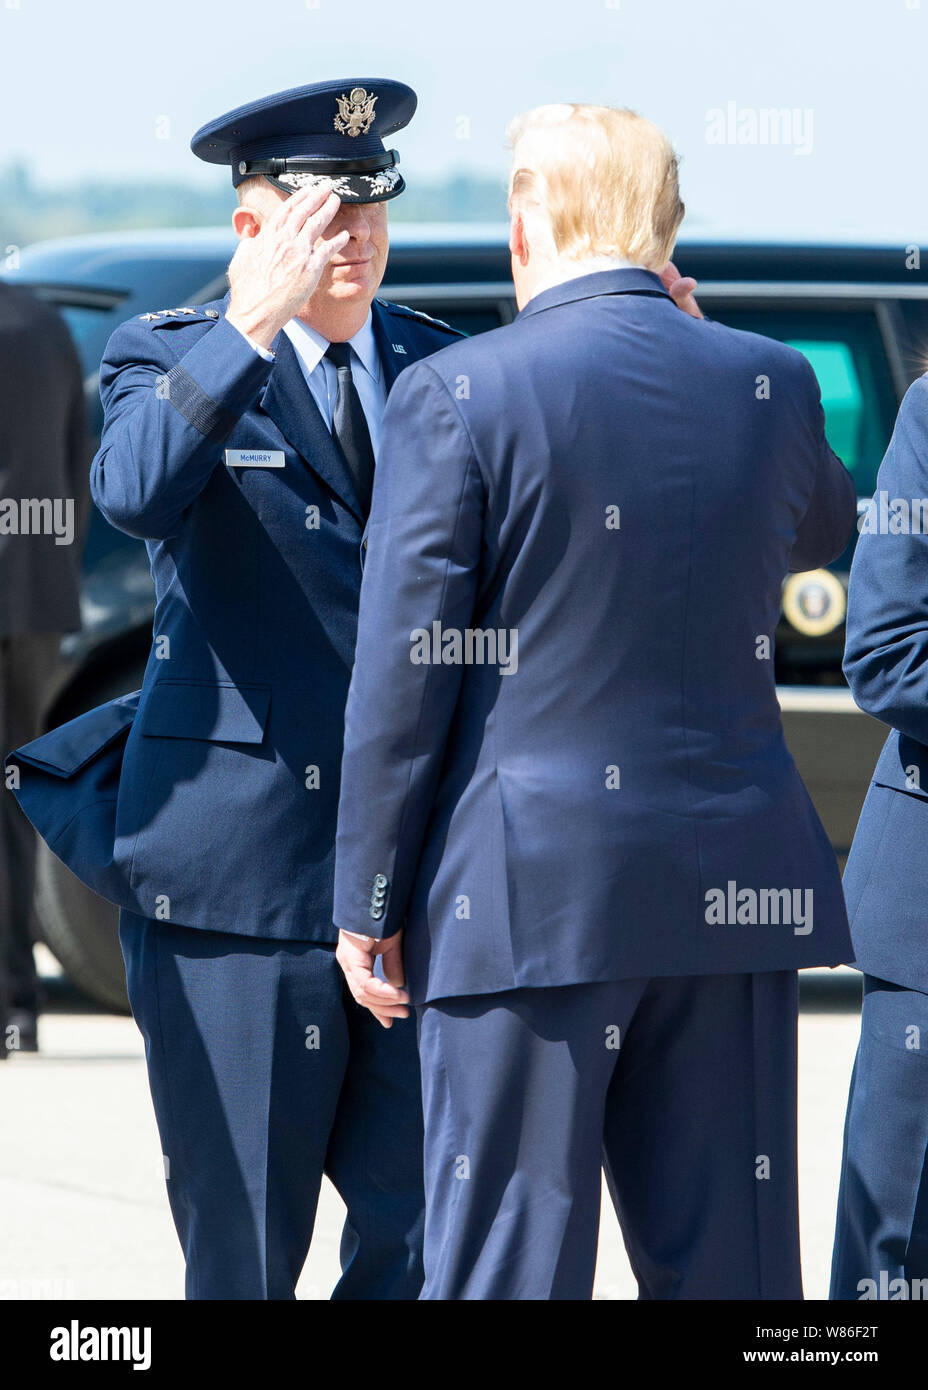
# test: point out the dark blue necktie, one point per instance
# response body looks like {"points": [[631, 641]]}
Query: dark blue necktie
{"points": [[349, 425]]}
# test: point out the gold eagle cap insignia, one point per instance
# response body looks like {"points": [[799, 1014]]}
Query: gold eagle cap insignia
{"points": [[355, 114]]}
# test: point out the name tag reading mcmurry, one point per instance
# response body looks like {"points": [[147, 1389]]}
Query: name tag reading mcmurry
{"points": [[254, 458]]}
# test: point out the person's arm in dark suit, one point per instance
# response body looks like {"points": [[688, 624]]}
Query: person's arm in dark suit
{"points": [[424, 546], [77, 443], [829, 520], [886, 656], [165, 420]]}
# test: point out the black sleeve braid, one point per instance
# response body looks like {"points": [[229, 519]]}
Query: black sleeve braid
{"points": [[206, 415]]}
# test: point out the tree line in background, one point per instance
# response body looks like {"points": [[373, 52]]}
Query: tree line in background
{"points": [[31, 211]]}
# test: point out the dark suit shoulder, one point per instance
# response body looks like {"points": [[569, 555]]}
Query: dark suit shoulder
{"points": [[444, 330], [755, 346], [738, 350], [493, 351], [22, 311]]}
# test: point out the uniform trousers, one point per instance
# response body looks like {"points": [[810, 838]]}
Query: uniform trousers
{"points": [[881, 1234], [265, 1074]]}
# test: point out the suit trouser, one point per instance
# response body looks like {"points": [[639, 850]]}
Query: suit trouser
{"points": [[684, 1089], [265, 1074], [882, 1226], [27, 665]]}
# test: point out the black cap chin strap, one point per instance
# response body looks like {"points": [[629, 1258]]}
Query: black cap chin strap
{"points": [[330, 167]]}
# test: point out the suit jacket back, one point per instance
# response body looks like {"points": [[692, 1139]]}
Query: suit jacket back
{"points": [[623, 488]]}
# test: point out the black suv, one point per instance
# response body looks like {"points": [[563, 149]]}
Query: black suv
{"points": [[859, 314]]}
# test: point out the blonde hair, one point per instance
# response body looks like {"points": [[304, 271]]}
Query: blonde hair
{"points": [[252, 187], [604, 179]]}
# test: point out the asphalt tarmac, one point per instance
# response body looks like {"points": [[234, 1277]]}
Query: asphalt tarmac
{"points": [[84, 1211]]}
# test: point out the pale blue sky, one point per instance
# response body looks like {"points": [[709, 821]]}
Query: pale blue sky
{"points": [[86, 85]]}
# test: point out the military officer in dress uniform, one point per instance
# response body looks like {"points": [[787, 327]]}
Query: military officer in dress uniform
{"points": [[881, 1238], [239, 443], [565, 782]]}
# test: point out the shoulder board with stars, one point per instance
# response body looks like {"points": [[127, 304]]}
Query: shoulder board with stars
{"points": [[405, 312], [172, 316]]}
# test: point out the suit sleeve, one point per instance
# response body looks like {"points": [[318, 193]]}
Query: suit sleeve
{"points": [[76, 442], [886, 656], [425, 540], [828, 523], [165, 420]]}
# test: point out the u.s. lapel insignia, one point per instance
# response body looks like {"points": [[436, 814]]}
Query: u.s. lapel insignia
{"points": [[355, 114], [398, 347]]}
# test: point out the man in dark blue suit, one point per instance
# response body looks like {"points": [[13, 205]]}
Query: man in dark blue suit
{"points": [[239, 443], [564, 770], [881, 1238]]}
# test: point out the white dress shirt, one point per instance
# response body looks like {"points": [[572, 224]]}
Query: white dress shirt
{"points": [[322, 379], [322, 376]]}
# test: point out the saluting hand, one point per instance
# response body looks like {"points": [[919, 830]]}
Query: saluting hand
{"points": [[279, 262], [386, 999]]}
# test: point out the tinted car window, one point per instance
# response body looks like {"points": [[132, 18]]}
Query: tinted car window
{"points": [[160, 281], [842, 396], [90, 328], [848, 356], [137, 285]]}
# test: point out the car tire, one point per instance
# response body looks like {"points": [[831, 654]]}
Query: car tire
{"points": [[80, 929]]}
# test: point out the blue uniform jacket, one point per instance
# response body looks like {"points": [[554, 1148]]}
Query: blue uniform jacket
{"points": [[620, 489], [886, 662], [209, 798]]}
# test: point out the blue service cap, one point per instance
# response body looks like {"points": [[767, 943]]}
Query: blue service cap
{"points": [[329, 130]]}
